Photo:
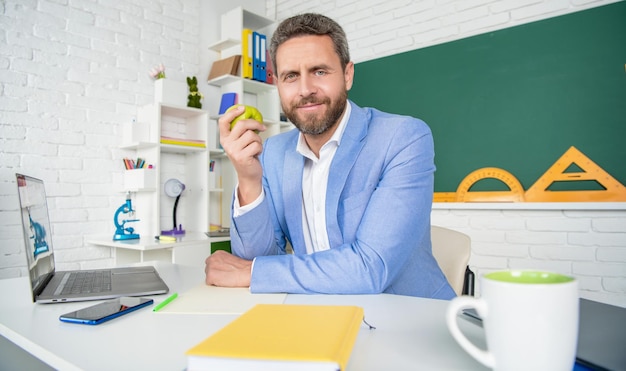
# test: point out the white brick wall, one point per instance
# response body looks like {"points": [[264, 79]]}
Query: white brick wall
{"points": [[72, 72], [590, 245]]}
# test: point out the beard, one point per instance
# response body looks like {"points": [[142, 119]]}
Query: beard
{"points": [[312, 124]]}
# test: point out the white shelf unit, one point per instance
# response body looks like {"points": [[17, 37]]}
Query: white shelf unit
{"points": [[185, 162], [261, 95]]}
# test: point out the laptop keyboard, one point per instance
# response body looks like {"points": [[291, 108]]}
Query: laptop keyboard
{"points": [[87, 282]]}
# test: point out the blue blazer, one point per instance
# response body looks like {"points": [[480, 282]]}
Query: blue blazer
{"points": [[378, 206]]}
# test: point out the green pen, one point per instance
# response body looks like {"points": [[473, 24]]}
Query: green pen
{"points": [[165, 302]]}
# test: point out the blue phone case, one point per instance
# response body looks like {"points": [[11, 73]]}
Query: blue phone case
{"points": [[103, 312]]}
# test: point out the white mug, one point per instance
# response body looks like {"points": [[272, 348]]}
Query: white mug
{"points": [[530, 320]]}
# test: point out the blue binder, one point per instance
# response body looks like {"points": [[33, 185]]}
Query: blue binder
{"points": [[259, 61]]}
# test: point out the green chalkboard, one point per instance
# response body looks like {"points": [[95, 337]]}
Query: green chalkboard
{"points": [[514, 99]]}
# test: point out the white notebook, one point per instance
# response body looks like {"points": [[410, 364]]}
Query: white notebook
{"points": [[205, 299]]}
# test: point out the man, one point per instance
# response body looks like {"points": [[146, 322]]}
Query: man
{"points": [[351, 190]]}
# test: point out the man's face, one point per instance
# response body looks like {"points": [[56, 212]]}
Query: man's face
{"points": [[313, 87]]}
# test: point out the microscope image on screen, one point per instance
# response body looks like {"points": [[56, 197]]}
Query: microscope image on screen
{"points": [[38, 236]]}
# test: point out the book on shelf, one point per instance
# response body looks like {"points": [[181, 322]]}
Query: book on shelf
{"points": [[183, 142], [226, 66], [281, 337]]}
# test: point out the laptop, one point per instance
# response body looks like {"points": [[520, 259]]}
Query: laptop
{"points": [[51, 286], [601, 335]]}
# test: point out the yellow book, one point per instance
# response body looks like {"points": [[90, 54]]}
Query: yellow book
{"points": [[183, 142], [281, 337], [246, 53]]}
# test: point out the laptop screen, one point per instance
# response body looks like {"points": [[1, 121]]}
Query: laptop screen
{"points": [[36, 227]]}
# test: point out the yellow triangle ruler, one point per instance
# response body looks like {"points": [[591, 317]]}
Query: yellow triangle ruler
{"points": [[540, 192]]}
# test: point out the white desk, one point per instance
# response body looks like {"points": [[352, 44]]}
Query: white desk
{"points": [[411, 333]]}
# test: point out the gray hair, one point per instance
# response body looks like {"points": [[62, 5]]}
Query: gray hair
{"points": [[310, 24]]}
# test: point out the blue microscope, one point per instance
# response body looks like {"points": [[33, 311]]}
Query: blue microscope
{"points": [[125, 233]]}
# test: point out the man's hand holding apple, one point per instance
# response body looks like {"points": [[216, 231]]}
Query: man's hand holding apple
{"points": [[239, 127]]}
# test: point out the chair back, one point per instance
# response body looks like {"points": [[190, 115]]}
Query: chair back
{"points": [[452, 251]]}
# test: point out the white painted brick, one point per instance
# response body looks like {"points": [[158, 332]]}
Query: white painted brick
{"points": [[481, 235], [389, 46], [463, 16], [597, 239], [537, 238], [69, 215], [8, 160], [427, 38], [589, 283], [13, 104], [532, 213], [489, 262], [558, 224], [57, 10], [485, 23], [500, 249], [468, 4], [53, 47], [540, 10], [81, 254], [25, 16], [32, 67], [614, 284], [16, 271], [564, 267], [603, 269], [12, 259], [610, 224], [24, 93], [85, 175], [571, 253], [105, 10], [496, 222], [16, 51], [508, 5], [599, 214], [33, 161], [612, 254], [17, 146], [4, 63], [62, 189]]}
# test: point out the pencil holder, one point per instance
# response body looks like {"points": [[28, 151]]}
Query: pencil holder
{"points": [[140, 179]]}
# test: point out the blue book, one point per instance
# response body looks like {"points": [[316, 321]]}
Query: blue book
{"points": [[228, 100]]}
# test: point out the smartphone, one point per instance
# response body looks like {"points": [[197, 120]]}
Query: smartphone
{"points": [[105, 311]]}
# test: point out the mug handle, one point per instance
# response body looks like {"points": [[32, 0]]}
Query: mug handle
{"points": [[463, 302]]}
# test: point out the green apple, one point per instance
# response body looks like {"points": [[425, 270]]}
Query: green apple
{"points": [[249, 113]]}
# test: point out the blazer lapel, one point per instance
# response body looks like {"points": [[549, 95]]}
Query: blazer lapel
{"points": [[348, 151], [292, 194]]}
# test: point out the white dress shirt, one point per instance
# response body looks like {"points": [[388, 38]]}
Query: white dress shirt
{"points": [[314, 181]]}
